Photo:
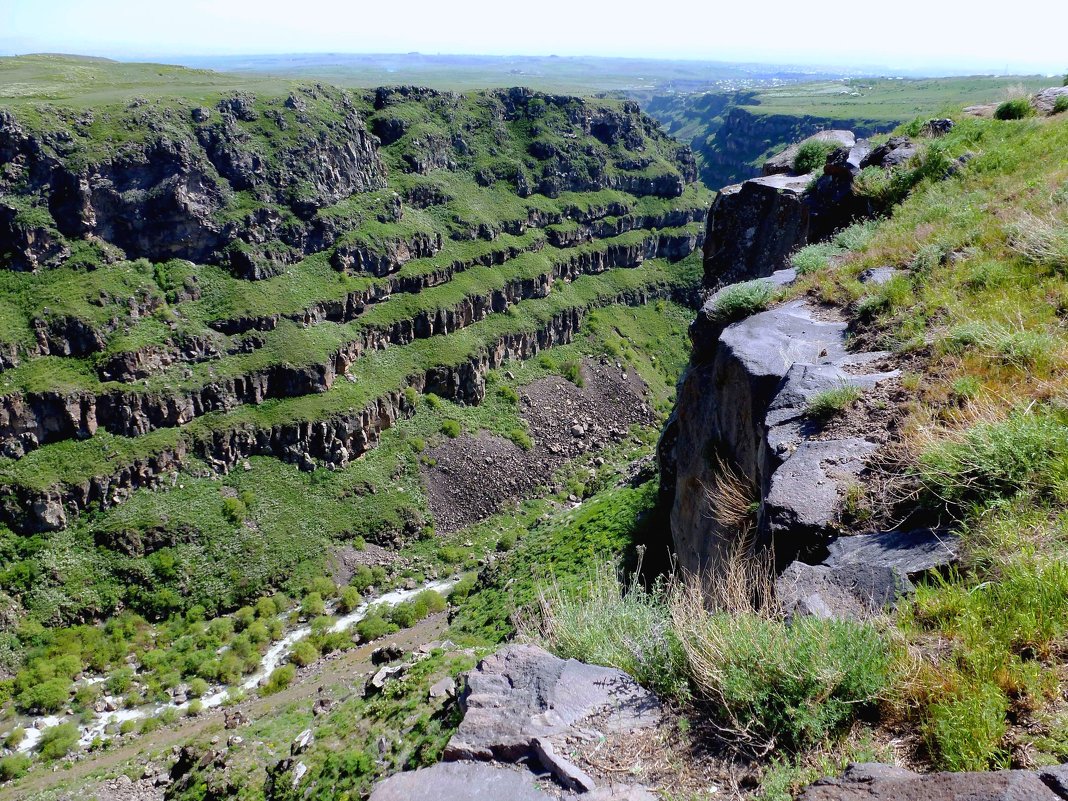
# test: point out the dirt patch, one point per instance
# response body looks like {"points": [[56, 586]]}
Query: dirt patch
{"points": [[344, 560], [474, 475]]}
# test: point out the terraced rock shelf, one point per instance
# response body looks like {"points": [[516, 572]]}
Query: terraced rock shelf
{"points": [[242, 275]]}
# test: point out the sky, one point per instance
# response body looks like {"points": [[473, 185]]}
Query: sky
{"points": [[1022, 36]]}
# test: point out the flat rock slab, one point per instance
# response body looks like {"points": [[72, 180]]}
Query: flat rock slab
{"points": [[461, 781], [886, 783], [768, 343], [909, 553], [523, 692]]}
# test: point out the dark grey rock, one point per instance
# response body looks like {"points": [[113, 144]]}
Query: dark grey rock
{"points": [[939, 127], [877, 275], [805, 495], [897, 150], [522, 692], [461, 781], [850, 592], [753, 228], [910, 553], [886, 783]]}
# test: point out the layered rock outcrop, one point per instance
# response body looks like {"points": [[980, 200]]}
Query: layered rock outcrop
{"points": [[521, 707]]}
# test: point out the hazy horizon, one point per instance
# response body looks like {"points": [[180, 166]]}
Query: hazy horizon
{"points": [[817, 35]]}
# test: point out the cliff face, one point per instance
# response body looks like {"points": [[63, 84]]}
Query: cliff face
{"points": [[740, 426]]}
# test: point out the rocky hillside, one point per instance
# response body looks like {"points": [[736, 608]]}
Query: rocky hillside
{"points": [[260, 351]]}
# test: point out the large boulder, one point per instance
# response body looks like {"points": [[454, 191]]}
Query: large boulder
{"points": [[875, 782], [523, 692], [753, 227], [863, 574], [461, 781], [783, 162]]}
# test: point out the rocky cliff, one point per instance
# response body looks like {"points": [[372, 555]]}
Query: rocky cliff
{"points": [[746, 463]]}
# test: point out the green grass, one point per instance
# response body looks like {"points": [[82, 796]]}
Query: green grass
{"points": [[739, 301], [833, 401]]}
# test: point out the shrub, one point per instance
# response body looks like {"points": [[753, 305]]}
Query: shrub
{"points": [[362, 578], [404, 615], [303, 653], [1043, 242], [509, 394], [1024, 348], [624, 627], [322, 585], [813, 258], [417, 444], [572, 371], [506, 541], [463, 588], [195, 707], [742, 300], [812, 155], [776, 683], [1060, 105], [49, 696], [197, 687], [14, 766], [279, 679], [350, 599], [1027, 451], [521, 438], [312, 605], [374, 626], [433, 401], [14, 738], [451, 429], [411, 396], [965, 732], [58, 741], [430, 602], [1016, 109], [234, 510], [833, 401]]}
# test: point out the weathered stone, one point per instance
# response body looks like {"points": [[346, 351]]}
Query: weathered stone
{"points": [[443, 688], [460, 781], [522, 692], [566, 773], [805, 494], [937, 127], [1045, 100], [877, 276], [753, 228], [784, 162], [910, 553], [885, 783], [302, 742], [850, 592]]}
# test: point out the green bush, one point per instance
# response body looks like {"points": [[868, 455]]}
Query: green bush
{"points": [[196, 707], [13, 766], [506, 541], [742, 300], [1027, 451], [509, 394], [521, 438], [417, 444], [303, 653], [966, 732], [350, 599], [312, 605], [279, 679], [48, 697], [362, 578], [451, 428], [234, 510], [572, 371], [322, 585], [1060, 105], [833, 401], [430, 602], [789, 685], [813, 258], [1015, 109], [624, 627], [197, 687], [58, 741], [812, 155], [374, 626]]}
